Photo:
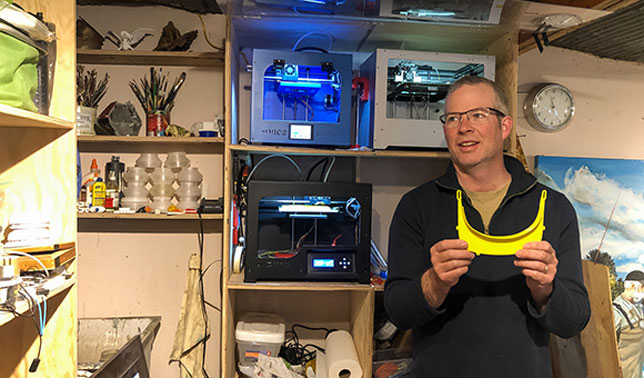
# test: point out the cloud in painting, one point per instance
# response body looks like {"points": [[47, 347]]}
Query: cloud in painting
{"points": [[602, 194]]}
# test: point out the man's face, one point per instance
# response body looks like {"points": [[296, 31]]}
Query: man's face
{"points": [[634, 291], [474, 145]]}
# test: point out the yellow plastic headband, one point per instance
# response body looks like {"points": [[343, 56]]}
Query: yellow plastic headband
{"points": [[483, 244]]}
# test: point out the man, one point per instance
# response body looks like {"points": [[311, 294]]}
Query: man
{"points": [[484, 316], [629, 325]]}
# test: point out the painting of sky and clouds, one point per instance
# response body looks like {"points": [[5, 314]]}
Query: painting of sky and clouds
{"points": [[608, 195]]}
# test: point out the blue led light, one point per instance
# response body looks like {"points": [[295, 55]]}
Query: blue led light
{"points": [[300, 84], [323, 263]]}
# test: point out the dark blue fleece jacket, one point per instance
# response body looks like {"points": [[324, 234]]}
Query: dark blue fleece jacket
{"points": [[488, 325]]}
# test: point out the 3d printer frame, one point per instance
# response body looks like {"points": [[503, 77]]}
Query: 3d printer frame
{"points": [[301, 98], [308, 231]]}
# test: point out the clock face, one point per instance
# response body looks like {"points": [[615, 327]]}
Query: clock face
{"points": [[549, 107]]}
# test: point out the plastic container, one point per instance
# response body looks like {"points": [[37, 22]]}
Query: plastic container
{"points": [[161, 190], [149, 161], [161, 204], [189, 175], [176, 161], [162, 175], [389, 363], [136, 191], [258, 333], [100, 338], [188, 190], [188, 204], [136, 174], [134, 203]]}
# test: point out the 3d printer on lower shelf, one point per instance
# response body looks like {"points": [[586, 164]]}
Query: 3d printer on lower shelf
{"points": [[308, 231]]}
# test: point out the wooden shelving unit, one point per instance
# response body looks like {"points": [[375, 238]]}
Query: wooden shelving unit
{"points": [[23, 306], [27, 130], [158, 217], [257, 149], [340, 305], [138, 144], [37, 166], [20, 119], [151, 58], [236, 282]]}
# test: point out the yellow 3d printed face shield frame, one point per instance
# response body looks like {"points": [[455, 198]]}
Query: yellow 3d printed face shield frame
{"points": [[483, 244]]}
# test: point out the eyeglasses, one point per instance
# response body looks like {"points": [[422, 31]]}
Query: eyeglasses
{"points": [[476, 116]]}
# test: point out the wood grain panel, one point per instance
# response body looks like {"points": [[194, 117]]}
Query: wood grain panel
{"points": [[361, 311], [148, 58], [19, 342], [593, 354], [227, 363], [40, 181], [507, 73]]}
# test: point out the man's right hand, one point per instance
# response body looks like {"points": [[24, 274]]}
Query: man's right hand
{"points": [[450, 260]]}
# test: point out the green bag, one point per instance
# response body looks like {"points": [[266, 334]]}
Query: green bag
{"points": [[18, 73]]}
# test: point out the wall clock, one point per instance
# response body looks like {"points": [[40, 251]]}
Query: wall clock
{"points": [[549, 107]]}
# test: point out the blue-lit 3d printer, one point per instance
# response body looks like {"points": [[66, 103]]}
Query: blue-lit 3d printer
{"points": [[301, 98], [307, 231]]}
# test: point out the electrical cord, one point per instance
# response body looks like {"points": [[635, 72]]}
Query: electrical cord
{"points": [[326, 34], [294, 352], [200, 238], [205, 34], [324, 160], [250, 175], [40, 324], [326, 175], [31, 257]]}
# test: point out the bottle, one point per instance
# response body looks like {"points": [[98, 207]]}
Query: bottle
{"points": [[88, 181], [98, 193], [115, 166], [112, 191]]}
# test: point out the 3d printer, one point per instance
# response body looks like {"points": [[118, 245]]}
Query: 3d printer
{"points": [[301, 98], [316, 7], [479, 12], [308, 231], [410, 88]]}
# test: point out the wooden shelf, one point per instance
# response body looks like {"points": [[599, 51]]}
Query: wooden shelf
{"points": [[24, 132], [22, 306], [21, 119], [142, 216], [151, 58], [340, 152], [236, 282], [137, 144]]}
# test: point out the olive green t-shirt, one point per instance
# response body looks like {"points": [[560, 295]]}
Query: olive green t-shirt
{"points": [[486, 203]]}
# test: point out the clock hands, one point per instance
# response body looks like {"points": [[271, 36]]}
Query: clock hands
{"points": [[554, 108]]}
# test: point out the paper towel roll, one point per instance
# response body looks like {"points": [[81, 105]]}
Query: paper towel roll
{"points": [[341, 357]]}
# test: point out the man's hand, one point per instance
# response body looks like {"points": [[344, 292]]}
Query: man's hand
{"points": [[538, 261], [450, 260]]}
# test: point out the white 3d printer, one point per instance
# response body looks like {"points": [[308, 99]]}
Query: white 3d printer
{"points": [[407, 92]]}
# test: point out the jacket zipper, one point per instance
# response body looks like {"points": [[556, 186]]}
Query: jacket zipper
{"points": [[505, 200], [508, 198]]}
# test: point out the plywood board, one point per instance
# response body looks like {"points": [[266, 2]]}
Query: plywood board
{"points": [[594, 353], [19, 341]]}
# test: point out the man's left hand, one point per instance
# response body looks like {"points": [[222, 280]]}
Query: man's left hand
{"points": [[538, 262]]}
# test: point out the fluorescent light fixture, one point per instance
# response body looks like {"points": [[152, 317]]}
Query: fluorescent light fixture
{"points": [[427, 13], [306, 209]]}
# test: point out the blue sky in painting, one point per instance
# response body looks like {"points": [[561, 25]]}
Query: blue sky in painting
{"points": [[595, 187]]}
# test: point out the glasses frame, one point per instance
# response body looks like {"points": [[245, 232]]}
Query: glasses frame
{"points": [[443, 117]]}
